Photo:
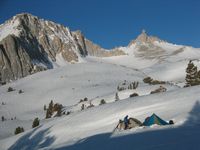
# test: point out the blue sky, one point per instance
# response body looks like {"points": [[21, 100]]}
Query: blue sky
{"points": [[111, 23]]}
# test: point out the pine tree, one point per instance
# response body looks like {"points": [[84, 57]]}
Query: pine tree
{"points": [[118, 88], [116, 97], [135, 85], [51, 107], [49, 111], [59, 112], [48, 114], [58, 108], [131, 86], [36, 123], [82, 107], [198, 77], [45, 107], [19, 130], [2, 118], [102, 102], [192, 76]]}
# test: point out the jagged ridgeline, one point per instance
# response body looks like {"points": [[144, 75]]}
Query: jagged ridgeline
{"points": [[29, 44]]}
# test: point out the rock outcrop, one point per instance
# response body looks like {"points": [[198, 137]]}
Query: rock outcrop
{"points": [[96, 50], [29, 44], [144, 38]]}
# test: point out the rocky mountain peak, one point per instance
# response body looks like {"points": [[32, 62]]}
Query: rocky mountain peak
{"points": [[29, 44], [25, 16], [144, 38]]}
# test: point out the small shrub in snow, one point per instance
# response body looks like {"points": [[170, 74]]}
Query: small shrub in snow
{"points": [[2, 83], [102, 102], [3, 118], [82, 106], [154, 82], [58, 109], [158, 90], [147, 80], [121, 88], [171, 122], [20, 92], [116, 97], [85, 99], [45, 107], [133, 85], [53, 108], [19, 130], [48, 114], [68, 113], [134, 95], [81, 100], [10, 89], [124, 83], [36, 122]]}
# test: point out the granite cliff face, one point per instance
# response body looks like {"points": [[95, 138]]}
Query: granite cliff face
{"points": [[29, 44], [32, 46]]}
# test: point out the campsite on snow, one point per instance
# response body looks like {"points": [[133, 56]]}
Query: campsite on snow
{"points": [[61, 91]]}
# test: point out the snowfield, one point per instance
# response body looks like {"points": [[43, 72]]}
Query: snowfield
{"points": [[93, 128]]}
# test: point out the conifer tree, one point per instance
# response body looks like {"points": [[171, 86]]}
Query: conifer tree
{"points": [[2, 118], [102, 102], [19, 130], [36, 122], [45, 107], [51, 107], [192, 75], [116, 96], [48, 114]]}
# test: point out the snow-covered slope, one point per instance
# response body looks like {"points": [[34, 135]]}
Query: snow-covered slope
{"points": [[157, 58], [66, 85], [10, 27], [92, 128]]}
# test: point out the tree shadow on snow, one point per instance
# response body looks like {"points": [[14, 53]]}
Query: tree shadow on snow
{"points": [[33, 141], [184, 137]]}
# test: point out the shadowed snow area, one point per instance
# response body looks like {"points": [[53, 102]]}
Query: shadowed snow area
{"points": [[183, 137]]}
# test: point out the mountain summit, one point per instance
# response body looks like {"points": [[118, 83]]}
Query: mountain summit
{"points": [[29, 44], [144, 38]]}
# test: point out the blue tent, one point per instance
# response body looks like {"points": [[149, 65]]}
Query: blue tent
{"points": [[154, 119]]}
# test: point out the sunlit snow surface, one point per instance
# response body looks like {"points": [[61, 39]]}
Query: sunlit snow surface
{"points": [[93, 128]]}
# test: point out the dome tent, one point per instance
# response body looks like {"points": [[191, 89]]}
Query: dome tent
{"points": [[154, 119]]}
